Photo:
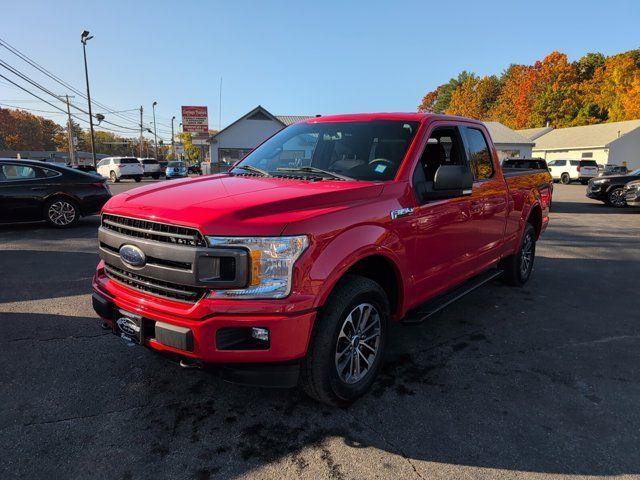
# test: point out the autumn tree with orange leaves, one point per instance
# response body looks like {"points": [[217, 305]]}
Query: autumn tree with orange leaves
{"points": [[553, 91]]}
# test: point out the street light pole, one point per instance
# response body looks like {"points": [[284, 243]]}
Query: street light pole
{"points": [[155, 137], [84, 38], [72, 156], [173, 152]]}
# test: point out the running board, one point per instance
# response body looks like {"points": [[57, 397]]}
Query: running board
{"points": [[433, 306]]}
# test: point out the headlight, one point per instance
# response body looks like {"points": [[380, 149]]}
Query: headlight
{"points": [[600, 181], [271, 264]]}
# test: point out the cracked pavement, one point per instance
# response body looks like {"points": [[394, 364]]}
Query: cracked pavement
{"points": [[538, 382]]}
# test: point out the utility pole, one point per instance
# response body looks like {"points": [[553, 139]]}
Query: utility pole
{"points": [[220, 108], [141, 136], [84, 37], [173, 152], [155, 137], [72, 153]]}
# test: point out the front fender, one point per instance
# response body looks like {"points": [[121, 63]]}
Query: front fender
{"points": [[351, 246]]}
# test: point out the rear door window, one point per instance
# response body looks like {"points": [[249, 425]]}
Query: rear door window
{"points": [[560, 163], [479, 154], [18, 172]]}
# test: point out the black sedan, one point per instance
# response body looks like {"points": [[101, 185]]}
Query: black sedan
{"points": [[609, 189], [32, 191]]}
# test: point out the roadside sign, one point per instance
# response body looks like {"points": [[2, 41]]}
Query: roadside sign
{"points": [[195, 119]]}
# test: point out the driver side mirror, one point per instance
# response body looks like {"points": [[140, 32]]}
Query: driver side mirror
{"points": [[450, 181]]}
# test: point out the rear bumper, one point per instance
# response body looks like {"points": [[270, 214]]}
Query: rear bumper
{"points": [[199, 326]]}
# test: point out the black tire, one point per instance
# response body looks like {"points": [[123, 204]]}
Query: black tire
{"points": [[615, 198], [156, 177], [584, 182], [515, 273], [114, 178], [320, 377], [565, 179], [137, 179], [61, 212]]}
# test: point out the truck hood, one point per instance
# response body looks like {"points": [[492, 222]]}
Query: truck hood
{"points": [[240, 205]]}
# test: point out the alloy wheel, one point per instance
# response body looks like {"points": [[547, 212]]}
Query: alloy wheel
{"points": [[617, 198], [62, 213], [526, 256], [358, 343]]}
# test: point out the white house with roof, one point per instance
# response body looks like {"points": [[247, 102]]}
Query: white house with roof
{"points": [[509, 143], [616, 143], [240, 137]]}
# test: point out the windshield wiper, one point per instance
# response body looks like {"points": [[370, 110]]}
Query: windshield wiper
{"points": [[251, 168], [319, 171]]}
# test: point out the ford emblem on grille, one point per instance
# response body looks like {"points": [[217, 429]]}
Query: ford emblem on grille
{"points": [[132, 255], [128, 326]]}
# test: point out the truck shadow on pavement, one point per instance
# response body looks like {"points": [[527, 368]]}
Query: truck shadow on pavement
{"points": [[23, 275], [499, 380]]}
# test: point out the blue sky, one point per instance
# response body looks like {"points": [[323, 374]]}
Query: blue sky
{"points": [[295, 57]]}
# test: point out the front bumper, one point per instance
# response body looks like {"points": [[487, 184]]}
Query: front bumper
{"points": [[289, 331], [597, 192], [632, 198]]}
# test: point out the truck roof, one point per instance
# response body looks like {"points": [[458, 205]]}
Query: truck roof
{"points": [[406, 116]]}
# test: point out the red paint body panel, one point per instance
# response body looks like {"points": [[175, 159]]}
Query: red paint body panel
{"points": [[440, 245]]}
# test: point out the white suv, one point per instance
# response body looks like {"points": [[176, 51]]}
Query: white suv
{"points": [[568, 171], [117, 168], [151, 167]]}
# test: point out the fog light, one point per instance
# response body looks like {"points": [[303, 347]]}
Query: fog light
{"points": [[259, 333]]}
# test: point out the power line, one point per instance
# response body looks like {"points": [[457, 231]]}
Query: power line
{"points": [[67, 85], [57, 79], [49, 92]]}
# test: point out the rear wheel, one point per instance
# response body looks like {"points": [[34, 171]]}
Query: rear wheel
{"points": [[615, 198], [584, 182], [61, 212], [348, 342], [156, 176], [517, 268], [137, 179], [565, 179], [114, 178]]}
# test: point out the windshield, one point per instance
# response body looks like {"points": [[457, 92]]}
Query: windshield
{"points": [[370, 150], [635, 172], [128, 160], [175, 164]]}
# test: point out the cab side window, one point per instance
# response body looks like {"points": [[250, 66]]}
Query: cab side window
{"points": [[479, 154], [443, 147]]}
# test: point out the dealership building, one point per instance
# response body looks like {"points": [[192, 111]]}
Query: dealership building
{"points": [[238, 138], [616, 143]]}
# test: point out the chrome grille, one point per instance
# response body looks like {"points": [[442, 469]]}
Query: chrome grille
{"points": [[148, 230], [153, 286]]}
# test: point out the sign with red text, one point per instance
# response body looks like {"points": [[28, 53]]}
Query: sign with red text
{"points": [[195, 119]]}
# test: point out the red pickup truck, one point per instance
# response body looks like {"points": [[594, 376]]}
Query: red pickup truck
{"points": [[289, 268]]}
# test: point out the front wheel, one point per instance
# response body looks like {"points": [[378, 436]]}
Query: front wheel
{"points": [[517, 268], [615, 198], [348, 342], [61, 212]]}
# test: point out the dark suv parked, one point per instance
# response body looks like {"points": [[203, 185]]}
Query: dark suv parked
{"points": [[609, 189]]}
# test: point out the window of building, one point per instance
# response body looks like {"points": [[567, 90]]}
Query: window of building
{"points": [[232, 155], [587, 154], [479, 155]]}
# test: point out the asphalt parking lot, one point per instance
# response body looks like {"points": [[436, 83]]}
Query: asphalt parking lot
{"points": [[538, 382]]}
